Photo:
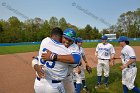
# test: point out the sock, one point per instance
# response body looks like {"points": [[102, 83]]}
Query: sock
{"points": [[84, 83], [125, 89], [135, 89], [99, 79], [78, 88], [75, 85], [106, 80]]}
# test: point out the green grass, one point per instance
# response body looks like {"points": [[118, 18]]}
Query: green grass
{"points": [[115, 85], [18, 49], [115, 44], [32, 48]]}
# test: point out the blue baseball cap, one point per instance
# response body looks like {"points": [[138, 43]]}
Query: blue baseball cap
{"points": [[70, 34], [122, 39], [104, 37], [79, 40]]}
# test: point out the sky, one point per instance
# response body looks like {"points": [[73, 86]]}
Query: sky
{"points": [[97, 13]]}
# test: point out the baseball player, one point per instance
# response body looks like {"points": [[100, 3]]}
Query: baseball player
{"points": [[129, 69], [80, 77], [104, 54], [69, 43], [55, 71]]}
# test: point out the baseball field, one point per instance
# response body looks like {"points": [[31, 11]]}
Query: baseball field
{"points": [[17, 75]]}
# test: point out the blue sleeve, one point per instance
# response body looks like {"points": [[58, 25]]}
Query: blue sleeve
{"points": [[77, 58]]}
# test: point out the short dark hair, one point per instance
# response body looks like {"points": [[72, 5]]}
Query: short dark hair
{"points": [[127, 42], [57, 31]]}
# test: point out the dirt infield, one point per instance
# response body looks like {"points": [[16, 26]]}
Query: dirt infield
{"points": [[17, 75]]}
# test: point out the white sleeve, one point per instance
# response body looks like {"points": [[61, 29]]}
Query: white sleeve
{"points": [[112, 50], [97, 48], [131, 53], [34, 61], [82, 52], [74, 49]]}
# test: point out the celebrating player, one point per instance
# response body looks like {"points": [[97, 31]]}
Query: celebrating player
{"points": [[105, 54], [55, 71], [80, 77], [129, 69], [68, 41]]}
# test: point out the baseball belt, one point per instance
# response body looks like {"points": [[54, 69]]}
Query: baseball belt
{"points": [[53, 81]]}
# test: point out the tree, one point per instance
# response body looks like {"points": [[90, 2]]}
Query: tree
{"points": [[88, 31], [53, 22], [63, 24], [15, 29]]}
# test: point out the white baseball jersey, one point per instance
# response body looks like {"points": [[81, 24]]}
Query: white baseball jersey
{"points": [[54, 70], [68, 81], [105, 50], [74, 50], [127, 53], [82, 51], [82, 74], [128, 73], [79, 77]]}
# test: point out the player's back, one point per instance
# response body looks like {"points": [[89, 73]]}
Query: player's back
{"points": [[55, 70]]}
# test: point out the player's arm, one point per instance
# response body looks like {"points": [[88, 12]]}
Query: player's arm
{"points": [[96, 56], [128, 63], [112, 63], [37, 67], [112, 56], [96, 53], [72, 58]]}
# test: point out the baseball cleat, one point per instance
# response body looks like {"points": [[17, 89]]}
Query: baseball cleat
{"points": [[98, 86], [106, 86]]}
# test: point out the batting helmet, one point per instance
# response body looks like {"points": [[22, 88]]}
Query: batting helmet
{"points": [[79, 40], [104, 37], [122, 39], [70, 34]]}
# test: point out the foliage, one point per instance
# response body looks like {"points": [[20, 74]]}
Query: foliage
{"points": [[32, 30], [128, 24]]}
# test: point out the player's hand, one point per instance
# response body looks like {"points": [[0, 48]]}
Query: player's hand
{"points": [[77, 70], [46, 55], [112, 62], [122, 67], [39, 70]]}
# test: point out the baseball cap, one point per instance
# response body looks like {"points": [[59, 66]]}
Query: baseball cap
{"points": [[122, 39], [70, 34], [79, 40], [104, 37]]}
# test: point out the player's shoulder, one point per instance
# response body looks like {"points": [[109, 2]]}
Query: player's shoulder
{"points": [[109, 44], [74, 47], [128, 47], [99, 44], [81, 48], [46, 39]]}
